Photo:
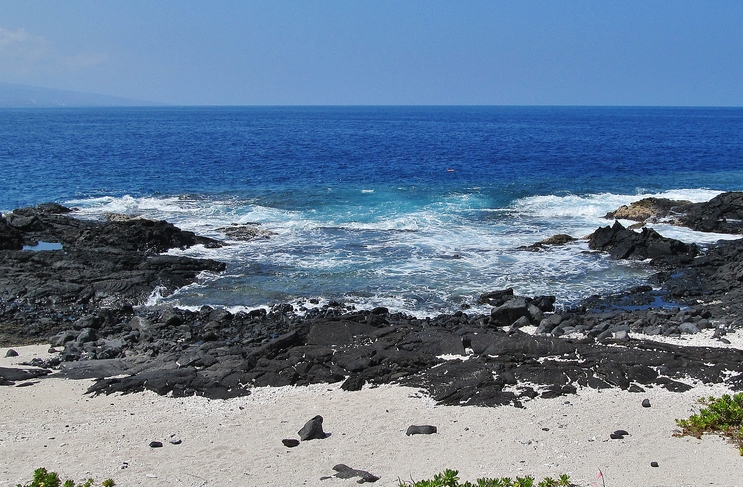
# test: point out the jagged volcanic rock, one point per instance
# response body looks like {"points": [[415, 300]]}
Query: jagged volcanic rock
{"points": [[622, 243], [115, 264], [648, 209], [722, 214], [459, 359]]}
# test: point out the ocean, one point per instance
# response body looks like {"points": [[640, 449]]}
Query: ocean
{"points": [[419, 209]]}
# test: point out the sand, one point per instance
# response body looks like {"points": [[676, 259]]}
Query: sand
{"points": [[238, 442]]}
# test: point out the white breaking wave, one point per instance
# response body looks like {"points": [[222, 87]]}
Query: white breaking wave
{"points": [[420, 259]]}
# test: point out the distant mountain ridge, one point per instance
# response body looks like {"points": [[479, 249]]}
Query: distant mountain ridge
{"points": [[23, 96]]}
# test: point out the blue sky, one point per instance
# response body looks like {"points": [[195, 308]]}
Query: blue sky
{"points": [[520, 52]]}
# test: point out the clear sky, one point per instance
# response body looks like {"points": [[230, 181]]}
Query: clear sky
{"points": [[397, 52]]}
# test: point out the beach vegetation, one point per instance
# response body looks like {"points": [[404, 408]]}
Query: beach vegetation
{"points": [[43, 478], [450, 478], [722, 416]]}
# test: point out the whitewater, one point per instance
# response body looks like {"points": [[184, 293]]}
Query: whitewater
{"points": [[418, 209], [429, 260]]}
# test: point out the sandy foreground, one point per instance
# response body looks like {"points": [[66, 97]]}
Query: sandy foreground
{"points": [[54, 424]]}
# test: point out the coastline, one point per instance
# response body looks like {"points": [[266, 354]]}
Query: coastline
{"points": [[232, 386], [55, 424]]}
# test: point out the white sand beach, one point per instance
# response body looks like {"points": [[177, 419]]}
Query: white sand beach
{"points": [[54, 424]]}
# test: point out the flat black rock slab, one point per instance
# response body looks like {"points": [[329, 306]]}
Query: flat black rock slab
{"points": [[425, 429], [10, 375]]}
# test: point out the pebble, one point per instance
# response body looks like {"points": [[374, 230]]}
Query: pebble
{"points": [[156, 444], [646, 403], [421, 430], [618, 435]]}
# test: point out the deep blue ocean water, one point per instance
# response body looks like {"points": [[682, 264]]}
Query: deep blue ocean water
{"points": [[416, 208]]}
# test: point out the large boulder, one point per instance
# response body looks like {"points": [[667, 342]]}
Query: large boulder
{"points": [[515, 309], [114, 264], [312, 430], [648, 208], [496, 298], [723, 214], [622, 243]]}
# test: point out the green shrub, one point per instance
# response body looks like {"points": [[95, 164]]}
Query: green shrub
{"points": [[42, 478], [723, 416], [449, 478]]}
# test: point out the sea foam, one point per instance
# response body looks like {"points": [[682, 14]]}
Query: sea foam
{"points": [[437, 255]]}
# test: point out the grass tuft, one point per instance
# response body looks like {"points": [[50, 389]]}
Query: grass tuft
{"points": [[43, 478], [450, 478], [722, 416]]}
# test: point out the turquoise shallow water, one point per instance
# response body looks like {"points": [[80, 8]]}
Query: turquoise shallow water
{"points": [[416, 208]]}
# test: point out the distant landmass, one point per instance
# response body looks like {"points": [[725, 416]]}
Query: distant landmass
{"points": [[22, 96]]}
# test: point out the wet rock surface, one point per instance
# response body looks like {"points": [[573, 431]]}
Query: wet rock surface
{"points": [[460, 359], [95, 267], [246, 232], [622, 243], [649, 209], [722, 214]]}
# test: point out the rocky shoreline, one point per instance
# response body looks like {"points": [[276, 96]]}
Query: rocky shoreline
{"points": [[85, 296]]}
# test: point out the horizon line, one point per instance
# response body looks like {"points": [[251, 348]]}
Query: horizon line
{"points": [[360, 105]]}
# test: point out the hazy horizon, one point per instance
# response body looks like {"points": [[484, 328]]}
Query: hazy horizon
{"points": [[94, 100], [382, 53]]}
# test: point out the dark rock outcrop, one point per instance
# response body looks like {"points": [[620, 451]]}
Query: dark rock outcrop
{"points": [[649, 209], [553, 241], [459, 359], [10, 237], [10, 375], [495, 367], [246, 232], [115, 264], [622, 243], [722, 214]]}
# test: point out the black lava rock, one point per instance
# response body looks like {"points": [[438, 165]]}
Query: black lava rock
{"points": [[622, 243], [312, 430], [420, 430], [353, 383], [212, 352], [618, 435]]}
